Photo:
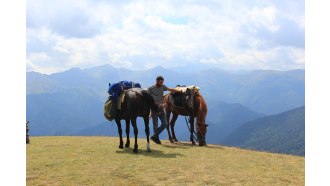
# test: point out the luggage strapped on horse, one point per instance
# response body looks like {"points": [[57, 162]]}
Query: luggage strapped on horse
{"points": [[109, 107]]}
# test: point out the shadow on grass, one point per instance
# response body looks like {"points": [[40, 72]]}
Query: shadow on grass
{"points": [[185, 145], [213, 147], [178, 145], [154, 153]]}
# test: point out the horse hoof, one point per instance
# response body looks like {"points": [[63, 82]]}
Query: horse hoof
{"points": [[171, 141], [135, 150], [148, 147], [121, 146], [193, 143], [175, 140], [127, 145]]}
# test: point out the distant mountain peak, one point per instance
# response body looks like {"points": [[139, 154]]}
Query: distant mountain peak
{"points": [[69, 71], [158, 67], [101, 67], [75, 69], [34, 73]]}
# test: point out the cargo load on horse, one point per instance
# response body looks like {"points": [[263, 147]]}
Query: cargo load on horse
{"points": [[183, 92], [116, 97], [184, 89]]}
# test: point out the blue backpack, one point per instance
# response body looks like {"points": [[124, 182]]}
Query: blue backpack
{"points": [[117, 88], [129, 84]]}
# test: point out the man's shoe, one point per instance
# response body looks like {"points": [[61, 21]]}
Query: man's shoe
{"points": [[155, 139]]}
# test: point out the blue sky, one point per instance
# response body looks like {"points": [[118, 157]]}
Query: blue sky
{"points": [[232, 35]]}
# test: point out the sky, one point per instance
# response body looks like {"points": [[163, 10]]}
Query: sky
{"points": [[226, 34]]}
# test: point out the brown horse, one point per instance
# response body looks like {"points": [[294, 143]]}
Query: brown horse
{"points": [[191, 104]]}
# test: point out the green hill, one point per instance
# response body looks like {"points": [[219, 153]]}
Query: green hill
{"points": [[224, 118], [98, 161], [280, 133]]}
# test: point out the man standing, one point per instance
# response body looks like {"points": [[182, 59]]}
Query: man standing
{"points": [[157, 92]]}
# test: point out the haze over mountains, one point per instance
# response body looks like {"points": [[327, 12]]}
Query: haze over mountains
{"points": [[284, 132], [71, 102]]}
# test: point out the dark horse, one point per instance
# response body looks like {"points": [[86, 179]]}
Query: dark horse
{"points": [[191, 104], [136, 103]]}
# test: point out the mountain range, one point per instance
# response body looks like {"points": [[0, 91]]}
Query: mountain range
{"points": [[71, 102], [284, 132]]}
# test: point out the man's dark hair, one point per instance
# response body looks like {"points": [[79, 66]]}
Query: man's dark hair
{"points": [[160, 78]]}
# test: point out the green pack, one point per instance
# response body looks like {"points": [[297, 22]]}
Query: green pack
{"points": [[109, 110]]}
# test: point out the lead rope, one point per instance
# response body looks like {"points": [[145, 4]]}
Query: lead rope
{"points": [[194, 133]]}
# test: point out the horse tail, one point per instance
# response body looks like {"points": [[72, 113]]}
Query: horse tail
{"points": [[150, 101]]}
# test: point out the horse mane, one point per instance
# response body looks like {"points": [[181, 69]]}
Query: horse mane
{"points": [[202, 109]]}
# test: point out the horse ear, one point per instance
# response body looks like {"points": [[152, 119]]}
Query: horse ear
{"points": [[206, 125]]}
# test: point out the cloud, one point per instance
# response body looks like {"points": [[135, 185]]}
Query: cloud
{"points": [[144, 34]]}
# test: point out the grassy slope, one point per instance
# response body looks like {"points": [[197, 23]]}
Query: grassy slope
{"points": [[98, 161]]}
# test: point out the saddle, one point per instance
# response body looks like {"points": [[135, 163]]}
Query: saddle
{"points": [[110, 108], [178, 99], [121, 87], [121, 98], [184, 89]]}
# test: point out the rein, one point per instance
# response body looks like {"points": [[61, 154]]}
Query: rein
{"points": [[194, 133]]}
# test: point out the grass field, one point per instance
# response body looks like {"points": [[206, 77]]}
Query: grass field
{"points": [[98, 161]]}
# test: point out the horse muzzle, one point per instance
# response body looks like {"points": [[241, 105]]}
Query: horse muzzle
{"points": [[201, 141]]}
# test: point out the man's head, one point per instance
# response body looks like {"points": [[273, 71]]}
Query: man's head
{"points": [[159, 81]]}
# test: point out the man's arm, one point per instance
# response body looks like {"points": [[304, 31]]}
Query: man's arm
{"points": [[173, 90], [170, 89]]}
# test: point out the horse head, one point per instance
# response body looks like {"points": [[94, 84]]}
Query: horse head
{"points": [[201, 133], [201, 126]]}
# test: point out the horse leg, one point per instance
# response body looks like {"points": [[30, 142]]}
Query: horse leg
{"points": [[127, 133], [191, 120], [120, 133], [133, 121], [168, 115], [147, 130], [173, 120]]}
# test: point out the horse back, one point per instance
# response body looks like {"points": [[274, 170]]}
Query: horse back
{"points": [[134, 104], [180, 107]]}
